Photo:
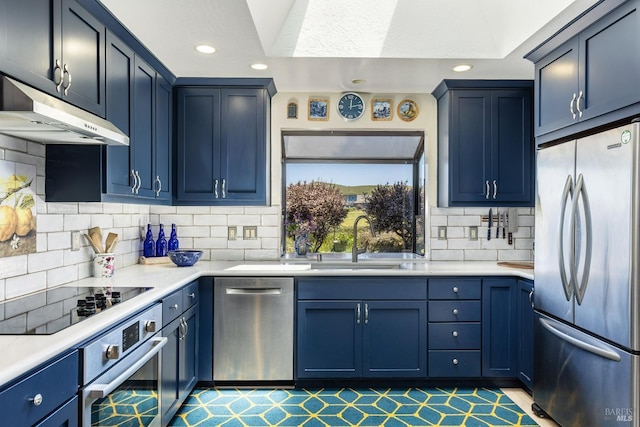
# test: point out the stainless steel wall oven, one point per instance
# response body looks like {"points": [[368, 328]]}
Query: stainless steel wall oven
{"points": [[121, 373]]}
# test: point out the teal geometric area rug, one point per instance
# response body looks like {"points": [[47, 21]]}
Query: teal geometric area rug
{"points": [[471, 407]]}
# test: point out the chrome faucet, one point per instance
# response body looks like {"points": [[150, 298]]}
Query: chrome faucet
{"points": [[354, 250]]}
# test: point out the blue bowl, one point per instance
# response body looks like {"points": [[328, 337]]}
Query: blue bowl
{"points": [[184, 258]]}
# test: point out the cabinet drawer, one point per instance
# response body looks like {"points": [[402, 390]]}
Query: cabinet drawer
{"points": [[359, 288], [455, 289], [454, 311], [55, 383], [456, 363], [454, 336], [190, 295], [172, 307]]}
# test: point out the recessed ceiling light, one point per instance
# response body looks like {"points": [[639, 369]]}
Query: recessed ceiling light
{"points": [[462, 67], [205, 48], [259, 66], [358, 81]]}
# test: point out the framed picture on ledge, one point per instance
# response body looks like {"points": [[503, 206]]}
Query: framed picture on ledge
{"points": [[381, 109], [319, 109]]}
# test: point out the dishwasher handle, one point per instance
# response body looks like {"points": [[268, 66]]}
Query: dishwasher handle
{"points": [[253, 291]]}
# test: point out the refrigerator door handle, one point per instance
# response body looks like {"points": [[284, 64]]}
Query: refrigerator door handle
{"points": [[607, 353], [567, 193], [581, 193]]}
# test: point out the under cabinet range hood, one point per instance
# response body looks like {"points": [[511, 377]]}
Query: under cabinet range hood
{"points": [[34, 115]]}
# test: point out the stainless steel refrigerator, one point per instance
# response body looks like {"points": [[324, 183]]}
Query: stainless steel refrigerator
{"points": [[587, 326]]}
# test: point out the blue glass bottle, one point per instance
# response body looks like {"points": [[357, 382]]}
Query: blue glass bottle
{"points": [[161, 243], [173, 239], [149, 247]]}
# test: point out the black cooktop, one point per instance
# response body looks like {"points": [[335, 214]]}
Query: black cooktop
{"points": [[50, 311]]}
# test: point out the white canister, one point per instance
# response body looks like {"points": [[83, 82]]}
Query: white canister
{"points": [[104, 265]]}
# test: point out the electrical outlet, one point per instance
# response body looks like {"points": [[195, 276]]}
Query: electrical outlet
{"points": [[442, 232], [473, 232], [232, 233], [75, 240], [250, 232]]}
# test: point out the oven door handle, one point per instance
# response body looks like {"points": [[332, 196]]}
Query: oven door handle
{"points": [[98, 391]]}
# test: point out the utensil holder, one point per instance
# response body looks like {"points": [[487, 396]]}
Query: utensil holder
{"points": [[104, 265]]}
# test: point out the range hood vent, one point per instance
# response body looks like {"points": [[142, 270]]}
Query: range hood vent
{"points": [[30, 114]]}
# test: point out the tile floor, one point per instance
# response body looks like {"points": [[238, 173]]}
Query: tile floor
{"points": [[524, 401]]}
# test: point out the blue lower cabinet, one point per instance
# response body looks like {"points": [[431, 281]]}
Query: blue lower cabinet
{"points": [[361, 339], [499, 328], [65, 416], [525, 330]]}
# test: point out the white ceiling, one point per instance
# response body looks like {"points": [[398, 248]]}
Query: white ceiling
{"points": [[396, 46]]}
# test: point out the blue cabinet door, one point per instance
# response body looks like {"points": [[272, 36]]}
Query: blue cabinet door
{"points": [[470, 146], [30, 41], [83, 69], [556, 88], [512, 147], [64, 416], [329, 339], [188, 357], [609, 64], [243, 145], [142, 142], [198, 146], [162, 145], [395, 339], [499, 327], [170, 378], [120, 72], [525, 332]]}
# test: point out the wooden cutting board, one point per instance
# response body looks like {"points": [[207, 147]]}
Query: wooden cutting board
{"points": [[154, 260], [528, 265]]}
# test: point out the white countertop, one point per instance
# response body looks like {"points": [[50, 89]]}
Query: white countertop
{"points": [[22, 353]]}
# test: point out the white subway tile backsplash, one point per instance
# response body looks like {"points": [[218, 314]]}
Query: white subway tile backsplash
{"points": [[62, 208], [447, 255], [49, 223], [80, 222], [463, 220], [102, 220], [112, 208], [42, 261], [61, 240], [481, 255], [209, 219], [61, 275], [227, 210], [245, 220], [90, 208], [261, 255], [13, 266], [189, 210], [26, 284]]}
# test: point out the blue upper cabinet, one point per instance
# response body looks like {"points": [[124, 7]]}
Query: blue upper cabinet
{"points": [[222, 145], [39, 47], [485, 143], [590, 76]]}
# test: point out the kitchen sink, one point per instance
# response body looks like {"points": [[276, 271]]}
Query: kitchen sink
{"points": [[354, 266]]}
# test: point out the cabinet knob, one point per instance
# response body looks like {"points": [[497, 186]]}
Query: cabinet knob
{"points": [[455, 311], [36, 400], [173, 307], [192, 295], [113, 352], [454, 361], [455, 289], [455, 333]]}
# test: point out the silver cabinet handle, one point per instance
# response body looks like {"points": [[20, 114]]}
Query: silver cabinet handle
{"points": [[135, 181], [580, 96], [173, 307], [66, 71], [486, 183], [454, 361], [567, 196], [573, 112], [580, 285], [366, 313], [215, 188], [182, 330], [159, 186], [455, 333], [455, 289], [224, 191], [36, 400], [531, 298], [139, 181], [455, 311], [358, 313], [495, 188], [186, 326], [192, 295], [57, 68]]}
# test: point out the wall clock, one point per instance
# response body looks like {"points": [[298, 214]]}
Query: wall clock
{"points": [[351, 106]]}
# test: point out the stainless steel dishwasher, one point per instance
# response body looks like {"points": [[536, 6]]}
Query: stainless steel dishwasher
{"points": [[253, 329]]}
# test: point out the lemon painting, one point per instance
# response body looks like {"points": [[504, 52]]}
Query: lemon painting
{"points": [[17, 208]]}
